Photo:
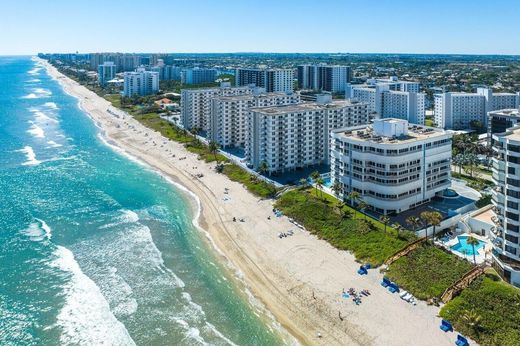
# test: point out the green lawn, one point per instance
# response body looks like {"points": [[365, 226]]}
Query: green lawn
{"points": [[473, 182], [427, 271], [254, 185], [493, 305], [326, 217]]}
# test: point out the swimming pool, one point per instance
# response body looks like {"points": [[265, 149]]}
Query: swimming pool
{"points": [[464, 248], [327, 182]]}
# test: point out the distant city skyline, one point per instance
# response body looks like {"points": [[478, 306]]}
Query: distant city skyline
{"points": [[305, 26]]}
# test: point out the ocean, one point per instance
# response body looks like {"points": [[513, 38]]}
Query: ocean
{"points": [[95, 248]]}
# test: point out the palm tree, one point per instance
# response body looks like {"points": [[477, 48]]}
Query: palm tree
{"points": [[414, 222], [435, 219], [319, 184], [473, 320], [195, 131], [426, 219], [398, 228], [263, 167], [473, 241], [303, 182], [336, 187], [314, 176], [213, 148], [354, 197], [363, 206], [385, 220]]}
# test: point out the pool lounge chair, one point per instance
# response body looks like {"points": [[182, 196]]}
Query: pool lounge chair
{"points": [[362, 271], [461, 341], [386, 282], [393, 288], [446, 326]]}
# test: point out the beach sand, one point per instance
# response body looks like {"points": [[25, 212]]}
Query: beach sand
{"points": [[299, 279]]}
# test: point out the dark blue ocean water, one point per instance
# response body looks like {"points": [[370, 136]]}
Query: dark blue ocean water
{"points": [[95, 248]]}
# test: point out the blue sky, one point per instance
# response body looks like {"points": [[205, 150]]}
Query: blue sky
{"points": [[388, 26]]}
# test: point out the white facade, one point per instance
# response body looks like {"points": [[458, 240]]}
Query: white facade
{"points": [[272, 80], [458, 110], [228, 122], [106, 71], [397, 99], [141, 83], [296, 136], [506, 199], [393, 166], [196, 104]]}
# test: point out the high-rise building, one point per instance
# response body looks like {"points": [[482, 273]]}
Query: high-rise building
{"points": [[106, 72], [272, 80], [196, 104], [460, 111], [500, 120], [297, 135], [332, 78], [394, 166], [506, 200], [229, 114], [390, 98], [140, 82], [198, 75]]}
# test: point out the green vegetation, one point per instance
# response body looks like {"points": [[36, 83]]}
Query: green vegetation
{"points": [[483, 201], [427, 271], [429, 122], [342, 226], [488, 311], [251, 182], [473, 182]]}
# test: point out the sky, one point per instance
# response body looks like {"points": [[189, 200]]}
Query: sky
{"points": [[198, 26]]}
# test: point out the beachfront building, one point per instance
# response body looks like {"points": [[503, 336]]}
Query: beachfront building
{"points": [[333, 78], [196, 104], [297, 135], [228, 122], [140, 82], [390, 98], [106, 72], [392, 164], [460, 111], [198, 75], [272, 80], [506, 200], [500, 120]]}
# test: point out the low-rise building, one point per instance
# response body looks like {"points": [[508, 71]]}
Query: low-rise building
{"points": [[297, 135], [228, 122], [394, 166]]}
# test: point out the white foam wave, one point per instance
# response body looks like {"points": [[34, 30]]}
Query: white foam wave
{"points": [[53, 144], [85, 318], [38, 93], [30, 156], [36, 131], [35, 71], [37, 231], [34, 80], [30, 96], [127, 216], [42, 117], [51, 105]]}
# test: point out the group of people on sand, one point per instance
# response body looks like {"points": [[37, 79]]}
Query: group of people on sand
{"points": [[356, 297]]}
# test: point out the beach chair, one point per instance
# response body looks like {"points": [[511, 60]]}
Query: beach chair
{"points": [[386, 282], [367, 266], [393, 288], [461, 341], [446, 326], [362, 271]]}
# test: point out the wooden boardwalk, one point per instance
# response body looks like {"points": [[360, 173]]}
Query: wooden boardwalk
{"points": [[404, 251], [455, 289]]}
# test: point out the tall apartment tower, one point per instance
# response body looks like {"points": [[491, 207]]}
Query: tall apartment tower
{"points": [[394, 166], [196, 104], [228, 122], [506, 200], [272, 80], [141, 83], [106, 72], [332, 78], [297, 135], [198, 75]]}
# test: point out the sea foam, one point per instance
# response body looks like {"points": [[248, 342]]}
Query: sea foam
{"points": [[30, 156], [36, 131]]}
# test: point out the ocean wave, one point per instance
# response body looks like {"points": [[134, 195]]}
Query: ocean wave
{"points": [[85, 318], [53, 144], [127, 216], [51, 105], [30, 156], [41, 116], [37, 231], [35, 71], [34, 80], [38, 93], [36, 131]]}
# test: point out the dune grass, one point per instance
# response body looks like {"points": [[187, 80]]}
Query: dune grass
{"points": [[251, 182], [488, 311]]}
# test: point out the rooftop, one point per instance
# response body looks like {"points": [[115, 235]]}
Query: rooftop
{"points": [[248, 96], [304, 107], [511, 112]]}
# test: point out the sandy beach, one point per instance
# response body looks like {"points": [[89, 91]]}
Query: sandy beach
{"points": [[299, 279]]}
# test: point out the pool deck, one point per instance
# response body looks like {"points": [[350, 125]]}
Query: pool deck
{"points": [[482, 255]]}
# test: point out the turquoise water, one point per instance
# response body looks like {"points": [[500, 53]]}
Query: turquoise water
{"points": [[94, 248], [464, 248]]}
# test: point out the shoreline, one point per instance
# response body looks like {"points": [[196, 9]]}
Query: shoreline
{"points": [[282, 274]]}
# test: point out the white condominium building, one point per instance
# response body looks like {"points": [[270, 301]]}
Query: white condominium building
{"points": [[332, 78], [228, 122], [295, 136], [391, 99], [196, 104], [394, 166], [506, 199], [141, 82], [106, 72], [198, 75], [272, 80], [460, 111]]}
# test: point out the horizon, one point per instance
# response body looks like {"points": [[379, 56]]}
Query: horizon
{"points": [[333, 26]]}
